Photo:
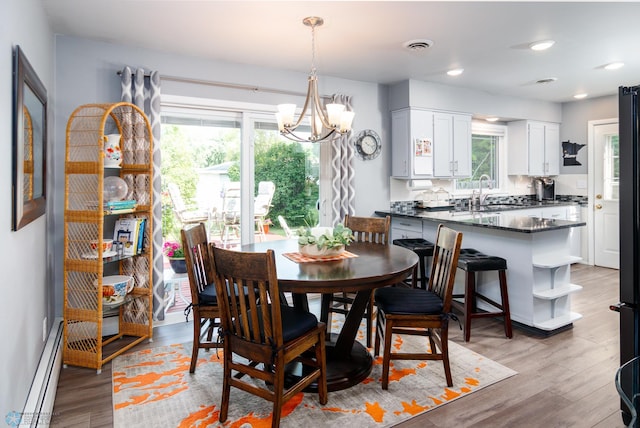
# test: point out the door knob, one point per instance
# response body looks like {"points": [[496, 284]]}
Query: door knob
{"points": [[598, 196], [598, 206]]}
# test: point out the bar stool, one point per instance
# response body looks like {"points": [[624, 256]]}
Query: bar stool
{"points": [[472, 261], [424, 250]]}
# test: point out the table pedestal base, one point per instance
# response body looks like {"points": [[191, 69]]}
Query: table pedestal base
{"points": [[343, 371]]}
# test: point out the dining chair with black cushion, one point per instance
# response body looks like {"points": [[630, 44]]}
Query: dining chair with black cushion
{"points": [[204, 301], [261, 336], [414, 311], [374, 230]]}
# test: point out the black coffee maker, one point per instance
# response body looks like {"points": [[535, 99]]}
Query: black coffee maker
{"points": [[545, 189]]}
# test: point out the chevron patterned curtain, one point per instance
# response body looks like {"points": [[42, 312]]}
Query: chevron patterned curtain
{"points": [[342, 166], [144, 92]]}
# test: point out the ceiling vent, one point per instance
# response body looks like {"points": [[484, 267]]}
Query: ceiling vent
{"points": [[547, 80], [418, 45]]}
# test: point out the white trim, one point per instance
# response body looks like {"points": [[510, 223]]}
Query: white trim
{"points": [[38, 410], [500, 131]]}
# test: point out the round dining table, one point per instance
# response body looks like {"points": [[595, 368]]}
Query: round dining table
{"points": [[367, 267]]}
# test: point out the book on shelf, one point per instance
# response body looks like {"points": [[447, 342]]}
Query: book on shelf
{"points": [[119, 207], [126, 231], [141, 226]]}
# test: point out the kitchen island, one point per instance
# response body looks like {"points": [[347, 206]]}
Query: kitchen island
{"points": [[538, 257]]}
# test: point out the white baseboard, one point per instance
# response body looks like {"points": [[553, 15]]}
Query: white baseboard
{"points": [[38, 409]]}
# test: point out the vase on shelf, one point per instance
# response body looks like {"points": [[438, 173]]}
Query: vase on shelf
{"points": [[112, 152], [178, 265]]}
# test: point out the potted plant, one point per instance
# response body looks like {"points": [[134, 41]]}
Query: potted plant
{"points": [[324, 241], [175, 254]]}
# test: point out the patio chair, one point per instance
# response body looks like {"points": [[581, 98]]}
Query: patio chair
{"points": [[230, 215], [186, 214], [262, 205], [291, 234]]}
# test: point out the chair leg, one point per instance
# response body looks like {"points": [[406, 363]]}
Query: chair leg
{"points": [[386, 354], [369, 315], [196, 340], [444, 345], [226, 387], [378, 333], [469, 302], [278, 392], [323, 395], [508, 330]]}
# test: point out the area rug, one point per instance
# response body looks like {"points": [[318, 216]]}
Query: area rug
{"points": [[154, 388]]}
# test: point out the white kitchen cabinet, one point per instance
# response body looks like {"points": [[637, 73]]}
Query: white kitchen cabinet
{"points": [[534, 148], [452, 145], [412, 143], [430, 144]]}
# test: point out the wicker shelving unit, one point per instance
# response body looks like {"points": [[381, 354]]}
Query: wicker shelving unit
{"points": [[85, 220]]}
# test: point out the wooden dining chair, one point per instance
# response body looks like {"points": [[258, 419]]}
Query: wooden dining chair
{"points": [[414, 311], [374, 230], [204, 301], [260, 329]]}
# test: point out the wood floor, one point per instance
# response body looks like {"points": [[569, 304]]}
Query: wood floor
{"points": [[565, 380]]}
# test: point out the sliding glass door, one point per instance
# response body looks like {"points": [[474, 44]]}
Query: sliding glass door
{"points": [[235, 168]]}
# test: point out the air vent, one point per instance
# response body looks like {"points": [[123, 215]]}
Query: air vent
{"points": [[418, 45], [547, 80]]}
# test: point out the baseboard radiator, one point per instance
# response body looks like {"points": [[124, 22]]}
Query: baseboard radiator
{"points": [[38, 409]]}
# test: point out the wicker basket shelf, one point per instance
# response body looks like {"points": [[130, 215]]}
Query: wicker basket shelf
{"points": [[85, 220]]}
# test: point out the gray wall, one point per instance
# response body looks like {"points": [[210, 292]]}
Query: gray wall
{"points": [[86, 73], [26, 293]]}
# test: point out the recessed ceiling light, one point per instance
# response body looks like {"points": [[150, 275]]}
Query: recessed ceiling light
{"points": [[541, 45], [455, 72], [492, 119], [547, 80], [614, 66], [580, 96]]}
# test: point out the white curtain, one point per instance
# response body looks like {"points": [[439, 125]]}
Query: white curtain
{"points": [[342, 166], [143, 89]]}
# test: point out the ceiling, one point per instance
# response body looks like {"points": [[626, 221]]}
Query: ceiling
{"points": [[363, 40]]}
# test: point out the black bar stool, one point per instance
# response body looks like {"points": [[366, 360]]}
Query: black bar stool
{"points": [[472, 261], [424, 250]]}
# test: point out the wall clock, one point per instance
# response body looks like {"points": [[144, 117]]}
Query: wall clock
{"points": [[368, 144]]}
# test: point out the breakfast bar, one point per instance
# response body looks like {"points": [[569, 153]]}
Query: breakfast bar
{"points": [[538, 257]]}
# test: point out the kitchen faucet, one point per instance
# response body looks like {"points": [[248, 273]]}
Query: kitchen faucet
{"points": [[482, 198]]}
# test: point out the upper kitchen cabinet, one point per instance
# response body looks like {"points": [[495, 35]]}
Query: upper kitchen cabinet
{"points": [[412, 143], [430, 144], [534, 148], [452, 145]]}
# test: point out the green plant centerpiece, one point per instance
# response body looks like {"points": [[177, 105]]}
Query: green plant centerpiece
{"points": [[322, 242]]}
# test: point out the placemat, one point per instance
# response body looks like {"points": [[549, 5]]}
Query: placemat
{"points": [[301, 258]]}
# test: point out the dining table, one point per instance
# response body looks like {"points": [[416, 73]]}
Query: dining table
{"points": [[361, 269]]}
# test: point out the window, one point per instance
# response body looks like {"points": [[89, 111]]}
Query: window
{"points": [[611, 168], [486, 148]]}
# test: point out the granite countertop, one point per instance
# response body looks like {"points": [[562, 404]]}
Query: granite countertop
{"points": [[493, 219]]}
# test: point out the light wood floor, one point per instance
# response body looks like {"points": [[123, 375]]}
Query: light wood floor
{"points": [[565, 380]]}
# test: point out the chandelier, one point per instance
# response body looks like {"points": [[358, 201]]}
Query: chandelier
{"points": [[324, 123]]}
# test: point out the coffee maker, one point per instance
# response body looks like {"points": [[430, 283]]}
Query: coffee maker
{"points": [[545, 189]]}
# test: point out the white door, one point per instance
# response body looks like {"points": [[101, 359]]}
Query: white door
{"points": [[605, 190]]}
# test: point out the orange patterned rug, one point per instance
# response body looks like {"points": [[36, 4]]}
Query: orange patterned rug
{"points": [[154, 388]]}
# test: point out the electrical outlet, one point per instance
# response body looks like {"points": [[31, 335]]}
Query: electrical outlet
{"points": [[44, 329]]}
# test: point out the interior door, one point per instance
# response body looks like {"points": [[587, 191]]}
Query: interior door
{"points": [[606, 190]]}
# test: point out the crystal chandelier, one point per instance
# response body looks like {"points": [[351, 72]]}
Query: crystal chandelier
{"points": [[324, 123]]}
